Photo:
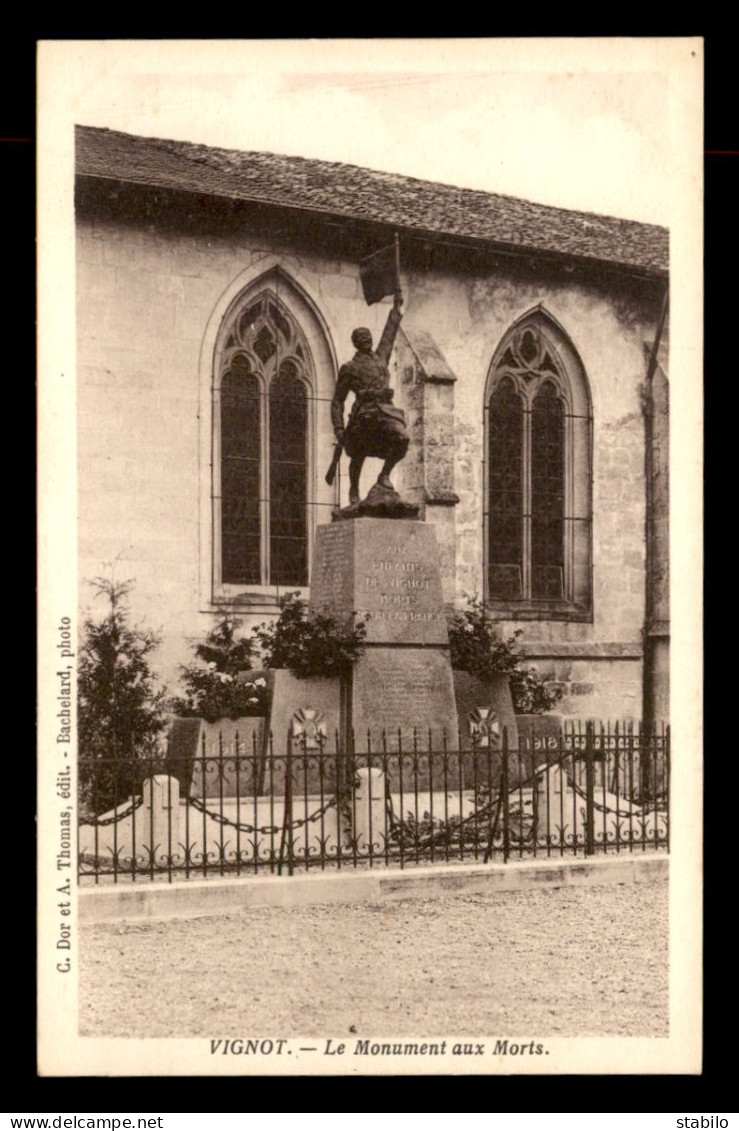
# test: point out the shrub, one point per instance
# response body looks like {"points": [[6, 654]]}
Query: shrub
{"points": [[531, 694], [120, 708], [211, 688], [477, 647], [309, 643]]}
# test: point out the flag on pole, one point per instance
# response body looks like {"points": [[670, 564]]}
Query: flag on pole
{"points": [[379, 273]]}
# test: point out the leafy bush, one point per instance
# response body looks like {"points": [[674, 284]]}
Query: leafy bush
{"points": [[120, 708], [531, 694], [309, 643], [477, 647], [211, 688]]}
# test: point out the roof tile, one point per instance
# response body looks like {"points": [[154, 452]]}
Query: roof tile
{"points": [[364, 194]]}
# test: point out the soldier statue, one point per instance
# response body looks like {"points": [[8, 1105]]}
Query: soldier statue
{"points": [[375, 426]]}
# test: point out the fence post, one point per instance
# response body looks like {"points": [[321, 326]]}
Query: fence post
{"points": [[369, 809], [286, 841], [589, 791], [504, 789], [667, 783]]}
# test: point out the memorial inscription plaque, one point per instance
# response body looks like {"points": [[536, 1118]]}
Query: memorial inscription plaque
{"points": [[332, 579], [404, 690], [387, 570]]}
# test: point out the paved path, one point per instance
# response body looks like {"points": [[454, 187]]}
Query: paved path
{"points": [[549, 962]]}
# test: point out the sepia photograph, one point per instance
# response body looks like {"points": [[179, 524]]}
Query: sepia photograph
{"points": [[370, 556]]}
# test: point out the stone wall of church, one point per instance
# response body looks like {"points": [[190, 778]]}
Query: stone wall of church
{"points": [[146, 298], [597, 663]]}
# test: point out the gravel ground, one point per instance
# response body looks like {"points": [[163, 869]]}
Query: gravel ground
{"points": [[588, 961]]}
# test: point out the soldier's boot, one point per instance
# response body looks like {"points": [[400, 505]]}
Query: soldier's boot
{"points": [[355, 470], [383, 480]]}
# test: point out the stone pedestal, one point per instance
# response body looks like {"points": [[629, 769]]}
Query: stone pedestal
{"points": [[485, 710], [220, 759], [539, 735], [307, 713], [309, 709], [388, 571]]}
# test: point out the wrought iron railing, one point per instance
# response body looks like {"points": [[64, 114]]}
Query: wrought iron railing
{"points": [[237, 811]]}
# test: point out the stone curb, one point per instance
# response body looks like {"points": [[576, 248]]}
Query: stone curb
{"points": [[217, 896]]}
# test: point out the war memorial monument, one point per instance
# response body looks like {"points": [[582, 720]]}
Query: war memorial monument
{"points": [[377, 562]]}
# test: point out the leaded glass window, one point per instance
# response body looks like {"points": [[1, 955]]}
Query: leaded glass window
{"points": [[505, 487], [264, 389], [241, 462], [288, 431], [537, 483], [547, 494]]}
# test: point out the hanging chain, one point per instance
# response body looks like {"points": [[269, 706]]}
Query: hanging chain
{"points": [[100, 822], [265, 830]]}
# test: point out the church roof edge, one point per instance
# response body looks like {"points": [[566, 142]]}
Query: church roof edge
{"points": [[351, 192]]}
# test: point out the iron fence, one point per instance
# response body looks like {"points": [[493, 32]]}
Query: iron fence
{"points": [[237, 811]]}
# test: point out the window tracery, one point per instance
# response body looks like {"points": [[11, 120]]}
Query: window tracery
{"points": [[537, 482], [264, 384]]}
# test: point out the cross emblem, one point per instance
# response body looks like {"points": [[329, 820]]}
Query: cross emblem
{"points": [[309, 728], [484, 727]]}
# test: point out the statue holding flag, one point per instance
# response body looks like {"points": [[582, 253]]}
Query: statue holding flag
{"points": [[375, 426]]}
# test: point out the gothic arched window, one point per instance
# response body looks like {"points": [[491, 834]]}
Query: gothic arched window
{"points": [[262, 397], [537, 475]]}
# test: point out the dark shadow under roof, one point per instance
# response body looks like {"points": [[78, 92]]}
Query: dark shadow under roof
{"points": [[347, 191]]}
